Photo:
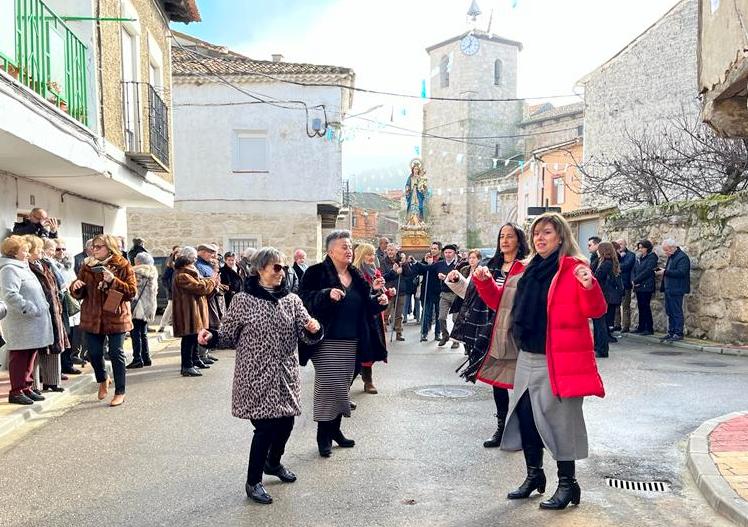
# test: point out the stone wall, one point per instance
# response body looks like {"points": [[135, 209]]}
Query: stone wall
{"points": [[162, 229], [646, 84], [714, 234]]}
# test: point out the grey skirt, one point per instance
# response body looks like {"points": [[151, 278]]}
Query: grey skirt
{"points": [[334, 364], [560, 422]]}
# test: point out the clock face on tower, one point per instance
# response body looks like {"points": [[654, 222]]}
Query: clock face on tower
{"points": [[469, 45]]}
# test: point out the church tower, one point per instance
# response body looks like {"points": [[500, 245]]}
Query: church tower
{"points": [[463, 137]]}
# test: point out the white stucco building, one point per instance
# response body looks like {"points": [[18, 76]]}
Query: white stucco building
{"points": [[250, 173]]}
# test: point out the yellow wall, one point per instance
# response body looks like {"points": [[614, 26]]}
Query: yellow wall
{"points": [[150, 20]]}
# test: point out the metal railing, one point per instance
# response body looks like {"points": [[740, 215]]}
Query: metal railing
{"points": [[45, 55], [152, 118]]}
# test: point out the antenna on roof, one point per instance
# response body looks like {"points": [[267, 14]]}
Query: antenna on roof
{"points": [[490, 20]]}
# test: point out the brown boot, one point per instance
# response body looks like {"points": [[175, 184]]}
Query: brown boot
{"points": [[103, 389], [368, 383]]}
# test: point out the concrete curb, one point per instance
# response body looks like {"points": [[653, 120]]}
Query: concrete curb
{"points": [[24, 414], [713, 486], [692, 346]]}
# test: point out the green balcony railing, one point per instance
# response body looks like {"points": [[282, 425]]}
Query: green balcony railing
{"points": [[41, 52]]}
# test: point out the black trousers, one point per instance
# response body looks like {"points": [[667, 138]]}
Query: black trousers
{"points": [[601, 336], [645, 311], [187, 348], [610, 316], [268, 445], [532, 444], [501, 398], [139, 336]]}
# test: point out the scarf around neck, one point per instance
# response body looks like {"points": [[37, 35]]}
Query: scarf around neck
{"points": [[369, 272], [529, 312]]}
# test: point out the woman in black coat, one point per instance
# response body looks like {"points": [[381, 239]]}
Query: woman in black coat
{"points": [[335, 293], [230, 277], [608, 274], [643, 279]]}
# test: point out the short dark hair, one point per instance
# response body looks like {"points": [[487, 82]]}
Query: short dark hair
{"points": [[595, 239], [229, 254], [438, 244], [646, 244]]}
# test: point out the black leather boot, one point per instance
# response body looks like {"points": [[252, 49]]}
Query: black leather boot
{"points": [[535, 479], [324, 441], [568, 490], [338, 436], [496, 437]]}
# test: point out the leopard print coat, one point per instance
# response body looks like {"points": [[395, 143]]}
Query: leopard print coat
{"points": [[265, 330]]}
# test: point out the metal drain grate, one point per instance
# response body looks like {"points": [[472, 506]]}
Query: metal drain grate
{"points": [[641, 486], [444, 392]]}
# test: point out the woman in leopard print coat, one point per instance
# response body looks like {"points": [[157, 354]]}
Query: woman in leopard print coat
{"points": [[265, 324]]}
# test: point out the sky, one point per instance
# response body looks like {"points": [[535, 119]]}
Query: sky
{"points": [[384, 42]]}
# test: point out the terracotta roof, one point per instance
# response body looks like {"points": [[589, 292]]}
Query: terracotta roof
{"points": [[567, 110], [182, 10], [373, 201], [226, 62]]}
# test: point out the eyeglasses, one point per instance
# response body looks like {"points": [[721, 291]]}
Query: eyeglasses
{"points": [[60, 249], [278, 268]]}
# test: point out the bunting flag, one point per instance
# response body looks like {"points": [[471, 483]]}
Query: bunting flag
{"points": [[514, 4], [423, 88]]}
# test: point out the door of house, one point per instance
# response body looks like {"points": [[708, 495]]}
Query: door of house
{"points": [[89, 230]]}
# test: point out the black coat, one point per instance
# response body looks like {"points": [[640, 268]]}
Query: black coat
{"points": [[643, 276], [403, 281], [28, 227], [232, 279], [607, 280], [431, 286], [677, 277], [627, 263], [315, 288]]}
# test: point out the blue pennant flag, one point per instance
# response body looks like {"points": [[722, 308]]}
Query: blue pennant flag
{"points": [[423, 88]]}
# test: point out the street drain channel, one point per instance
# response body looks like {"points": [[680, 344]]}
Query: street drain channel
{"points": [[444, 392], [666, 353], [641, 486]]}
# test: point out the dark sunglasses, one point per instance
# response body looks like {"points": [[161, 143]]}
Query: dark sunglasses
{"points": [[278, 268], [60, 249]]}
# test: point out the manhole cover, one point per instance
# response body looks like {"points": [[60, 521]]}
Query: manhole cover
{"points": [[707, 364], [640, 486], [666, 353], [444, 392]]}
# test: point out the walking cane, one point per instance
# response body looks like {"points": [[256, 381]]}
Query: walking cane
{"points": [[423, 313], [394, 318]]}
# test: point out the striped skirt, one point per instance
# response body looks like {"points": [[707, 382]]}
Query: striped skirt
{"points": [[47, 370], [334, 364]]}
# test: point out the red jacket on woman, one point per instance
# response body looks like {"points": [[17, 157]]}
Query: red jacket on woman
{"points": [[569, 348]]}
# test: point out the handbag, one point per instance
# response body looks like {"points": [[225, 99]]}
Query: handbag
{"points": [[71, 304], [113, 301]]}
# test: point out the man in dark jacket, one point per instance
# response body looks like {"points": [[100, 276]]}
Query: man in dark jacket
{"points": [[381, 252], [38, 223], [592, 245], [446, 296], [626, 260], [299, 264], [676, 282], [397, 273], [81, 256], [137, 248], [430, 290]]}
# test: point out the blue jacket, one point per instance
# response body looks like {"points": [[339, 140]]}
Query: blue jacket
{"points": [[644, 274], [677, 277], [627, 263]]}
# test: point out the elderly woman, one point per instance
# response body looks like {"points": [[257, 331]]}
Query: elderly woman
{"points": [[190, 308], [364, 260], [265, 325], [230, 277], [546, 325], [106, 284], [644, 282], [475, 322], [50, 366], [143, 308], [27, 327], [338, 296]]}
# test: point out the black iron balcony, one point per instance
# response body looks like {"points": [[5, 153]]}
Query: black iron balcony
{"points": [[146, 127]]}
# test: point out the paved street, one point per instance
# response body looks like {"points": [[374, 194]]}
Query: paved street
{"points": [[173, 455]]}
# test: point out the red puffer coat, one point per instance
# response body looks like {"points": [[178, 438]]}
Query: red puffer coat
{"points": [[569, 348]]}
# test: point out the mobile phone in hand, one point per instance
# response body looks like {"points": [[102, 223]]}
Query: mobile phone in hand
{"points": [[98, 268]]}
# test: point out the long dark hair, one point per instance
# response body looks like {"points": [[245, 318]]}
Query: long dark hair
{"points": [[523, 249]]}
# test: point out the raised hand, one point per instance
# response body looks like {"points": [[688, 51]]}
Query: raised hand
{"points": [[453, 276], [312, 326], [336, 295], [482, 273], [583, 275]]}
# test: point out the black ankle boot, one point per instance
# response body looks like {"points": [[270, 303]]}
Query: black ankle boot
{"points": [[324, 441], [568, 490], [338, 436], [535, 480], [496, 437]]}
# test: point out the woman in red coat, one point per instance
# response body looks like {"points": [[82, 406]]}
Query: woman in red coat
{"points": [[548, 324]]}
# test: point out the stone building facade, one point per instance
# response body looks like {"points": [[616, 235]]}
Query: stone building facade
{"points": [[462, 69], [723, 66], [649, 82], [714, 234], [249, 175]]}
